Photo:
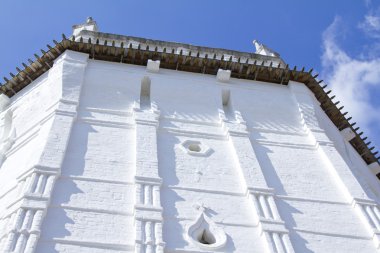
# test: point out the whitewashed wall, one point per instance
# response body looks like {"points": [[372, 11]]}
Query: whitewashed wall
{"points": [[273, 173]]}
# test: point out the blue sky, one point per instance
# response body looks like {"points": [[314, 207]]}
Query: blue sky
{"points": [[339, 39]]}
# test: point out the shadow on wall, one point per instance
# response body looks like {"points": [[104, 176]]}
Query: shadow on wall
{"points": [[57, 220], [202, 117], [167, 171], [174, 228], [167, 158], [269, 171], [54, 224], [75, 158], [286, 212], [53, 227], [281, 125], [230, 246]]}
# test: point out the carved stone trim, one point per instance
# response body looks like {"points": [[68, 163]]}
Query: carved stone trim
{"points": [[205, 234]]}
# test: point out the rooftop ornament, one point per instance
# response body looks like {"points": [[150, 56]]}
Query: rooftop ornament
{"points": [[265, 66], [90, 25], [264, 50]]}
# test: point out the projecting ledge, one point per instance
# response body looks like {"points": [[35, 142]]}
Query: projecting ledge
{"points": [[374, 167], [223, 75]]}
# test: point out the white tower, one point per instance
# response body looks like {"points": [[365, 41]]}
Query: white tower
{"points": [[114, 143]]}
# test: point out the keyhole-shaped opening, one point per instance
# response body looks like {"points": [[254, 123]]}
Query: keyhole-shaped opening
{"points": [[206, 237], [205, 234]]}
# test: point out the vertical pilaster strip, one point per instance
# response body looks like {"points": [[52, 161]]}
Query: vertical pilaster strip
{"points": [[262, 197], [66, 79], [148, 210], [362, 201]]}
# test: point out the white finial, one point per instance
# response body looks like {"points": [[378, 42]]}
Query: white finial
{"points": [[256, 44], [264, 50], [89, 25]]}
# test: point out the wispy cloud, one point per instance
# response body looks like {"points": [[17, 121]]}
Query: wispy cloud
{"points": [[354, 79], [371, 25]]}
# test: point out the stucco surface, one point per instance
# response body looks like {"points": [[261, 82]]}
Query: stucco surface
{"points": [[272, 173]]}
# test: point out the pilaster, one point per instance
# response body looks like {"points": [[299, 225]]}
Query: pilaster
{"points": [[261, 196], [148, 210], [363, 202], [24, 226]]}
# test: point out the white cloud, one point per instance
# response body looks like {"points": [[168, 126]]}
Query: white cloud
{"points": [[371, 25], [353, 80]]}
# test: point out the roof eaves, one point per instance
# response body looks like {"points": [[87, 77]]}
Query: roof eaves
{"points": [[261, 69]]}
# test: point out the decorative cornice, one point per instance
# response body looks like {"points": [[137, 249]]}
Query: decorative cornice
{"points": [[183, 57]]}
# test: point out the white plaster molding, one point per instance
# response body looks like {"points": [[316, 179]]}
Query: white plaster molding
{"points": [[37, 190], [207, 190], [8, 134], [370, 214], [148, 194], [153, 66], [279, 242], [127, 113], [19, 143], [100, 180], [291, 132], [21, 139], [89, 25], [237, 129], [342, 171], [148, 180], [272, 226], [374, 167], [4, 102], [194, 134], [147, 214], [147, 209], [260, 190], [248, 161], [205, 234], [175, 118], [36, 194], [100, 164], [149, 236], [325, 233], [348, 134], [70, 57], [262, 197], [93, 209], [148, 116], [107, 123], [223, 75], [87, 243], [265, 206], [25, 232], [302, 199]]}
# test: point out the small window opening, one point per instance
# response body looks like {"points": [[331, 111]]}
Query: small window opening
{"points": [[225, 97], [206, 237], [227, 105], [194, 147], [145, 93]]}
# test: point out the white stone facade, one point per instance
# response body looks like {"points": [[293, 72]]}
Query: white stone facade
{"points": [[111, 157]]}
